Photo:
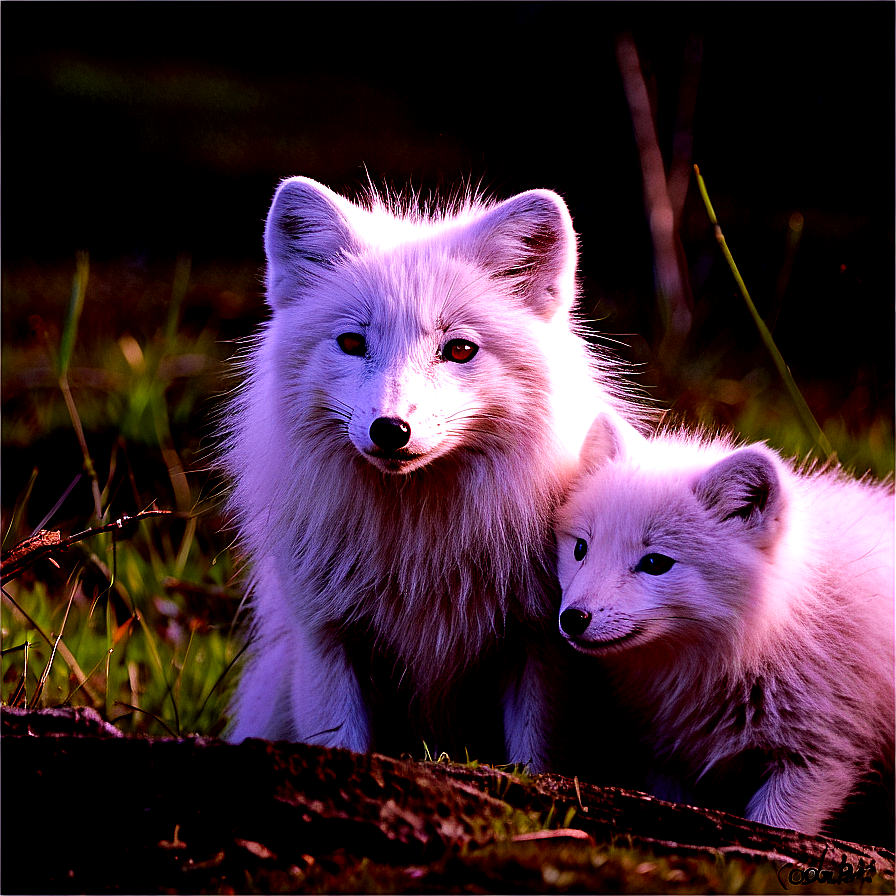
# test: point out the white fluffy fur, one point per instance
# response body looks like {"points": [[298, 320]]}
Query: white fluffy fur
{"points": [[773, 630], [431, 551]]}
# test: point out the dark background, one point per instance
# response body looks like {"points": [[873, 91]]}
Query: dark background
{"points": [[140, 131]]}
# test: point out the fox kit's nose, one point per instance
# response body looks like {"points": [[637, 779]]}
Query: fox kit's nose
{"points": [[390, 433], [574, 621]]}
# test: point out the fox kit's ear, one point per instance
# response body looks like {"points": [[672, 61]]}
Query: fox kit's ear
{"points": [[529, 241], [745, 488], [307, 228], [602, 444]]}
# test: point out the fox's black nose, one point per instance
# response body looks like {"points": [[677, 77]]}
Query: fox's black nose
{"points": [[574, 621], [390, 433]]}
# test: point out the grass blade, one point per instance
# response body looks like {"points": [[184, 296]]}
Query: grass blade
{"points": [[146, 712], [42, 524], [20, 697], [21, 506], [63, 650], [76, 304], [179, 288], [810, 424], [46, 673], [221, 678], [157, 662], [66, 347]]}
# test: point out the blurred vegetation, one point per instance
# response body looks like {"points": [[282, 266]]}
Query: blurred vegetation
{"points": [[147, 621]]}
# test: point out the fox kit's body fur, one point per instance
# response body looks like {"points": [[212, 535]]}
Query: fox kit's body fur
{"points": [[745, 610], [412, 414]]}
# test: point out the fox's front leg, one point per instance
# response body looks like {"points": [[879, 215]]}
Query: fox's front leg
{"points": [[300, 686], [530, 709], [328, 706], [801, 797]]}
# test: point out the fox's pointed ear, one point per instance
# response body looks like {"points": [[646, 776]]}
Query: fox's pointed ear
{"points": [[307, 229], [745, 490], [529, 242], [602, 444]]}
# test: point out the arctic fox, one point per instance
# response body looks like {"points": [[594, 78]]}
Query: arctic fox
{"points": [[411, 417], [744, 608]]}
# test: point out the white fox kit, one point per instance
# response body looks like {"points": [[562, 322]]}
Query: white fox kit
{"points": [[411, 418], [744, 608]]}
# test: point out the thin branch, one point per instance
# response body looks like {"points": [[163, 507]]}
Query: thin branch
{"points": [[45, 544]]}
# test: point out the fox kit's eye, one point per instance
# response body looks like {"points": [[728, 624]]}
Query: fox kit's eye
{"points": [[581, 549], [655, 564], [352, 343], [459, 350]]}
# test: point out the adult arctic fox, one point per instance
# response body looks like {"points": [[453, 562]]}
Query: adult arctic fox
{"points": [[412, 415], [744, 608]]}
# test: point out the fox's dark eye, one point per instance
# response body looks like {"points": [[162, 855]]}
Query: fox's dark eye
{"points": [[459, 350], [581, 549], [655, 564], [352, 343]]}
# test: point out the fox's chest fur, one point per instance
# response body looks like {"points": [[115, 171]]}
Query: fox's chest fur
{"points": [[421, 561], [706, 712]]}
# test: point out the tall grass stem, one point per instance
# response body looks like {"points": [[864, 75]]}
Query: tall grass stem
{"points": [[21, 505], [66, 347], [66, 654], [43, 679], [75, 306], [807, 419]]}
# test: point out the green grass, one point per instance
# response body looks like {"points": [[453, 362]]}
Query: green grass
{"points": [[139, 656], [147, 621]]}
